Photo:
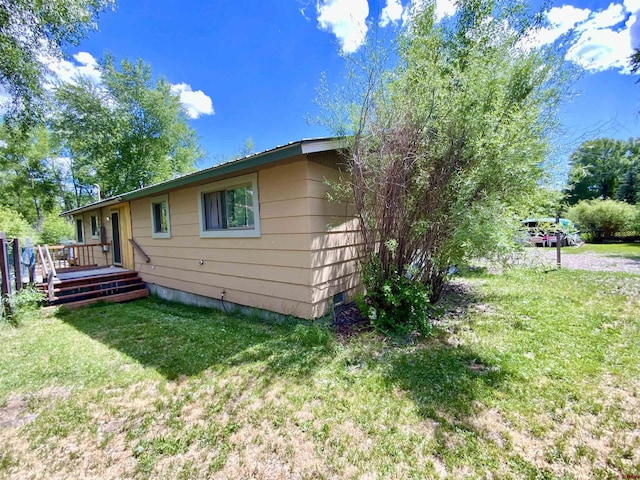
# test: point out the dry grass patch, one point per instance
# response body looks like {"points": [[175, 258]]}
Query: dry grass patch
{"points": [[517, 382]]}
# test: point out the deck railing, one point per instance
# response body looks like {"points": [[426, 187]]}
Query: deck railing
{"points": [[69, 256], [48, 268]]}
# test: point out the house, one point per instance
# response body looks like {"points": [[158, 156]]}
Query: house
{"points": [[255, 232]]}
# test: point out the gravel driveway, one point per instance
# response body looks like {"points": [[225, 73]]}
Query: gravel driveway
{"points": [[586, 261]]}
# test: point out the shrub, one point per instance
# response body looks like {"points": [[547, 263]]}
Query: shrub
{"points": [[13, 224], [23, 304], [54, 229], [603, 218], [396, 303]]}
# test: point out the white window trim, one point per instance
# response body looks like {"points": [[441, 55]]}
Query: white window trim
{"points": [[155, 200], [226, 185], [84, 234], [97, 217]]}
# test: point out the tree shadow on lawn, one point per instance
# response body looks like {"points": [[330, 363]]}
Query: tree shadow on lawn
{"points": [[445, 378], [445, 382], [178, 340]]}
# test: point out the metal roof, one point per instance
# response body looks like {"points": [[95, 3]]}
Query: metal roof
{"points": [[280, 152]]}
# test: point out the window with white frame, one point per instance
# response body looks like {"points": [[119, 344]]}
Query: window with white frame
{"points": [[160, 223], [95, 227], [79, 230], [230, 208]]}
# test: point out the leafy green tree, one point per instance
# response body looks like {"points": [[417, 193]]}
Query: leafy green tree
{"points": [[55, 228], [629, 188], [634, 61], [126, 133], [447, 147], [31, 178], [597, 168], [33, 32], [13, 224]]}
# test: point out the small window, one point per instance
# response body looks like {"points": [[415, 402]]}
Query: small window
{"points": [[338, 299], [79, 230], [160, 226], [230, 208], [95, 227]]}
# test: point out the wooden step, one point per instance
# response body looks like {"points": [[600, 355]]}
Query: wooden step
{"points": [[103, 293], [88, 280], [120, 297], [63, 287]]}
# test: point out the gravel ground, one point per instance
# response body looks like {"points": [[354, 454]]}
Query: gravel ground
{"points": [[585, 261]]}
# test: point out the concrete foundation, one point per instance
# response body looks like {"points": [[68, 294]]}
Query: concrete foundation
{"points": [[187, 298]]}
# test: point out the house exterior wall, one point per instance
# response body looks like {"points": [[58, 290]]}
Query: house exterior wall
{"points": [[100, 258], [271, 272], [334, 247], [302, 258]]}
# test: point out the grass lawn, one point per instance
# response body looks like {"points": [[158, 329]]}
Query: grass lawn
{"points": [[531, 375], [631, 250]]}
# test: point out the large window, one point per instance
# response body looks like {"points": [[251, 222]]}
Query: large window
{"points": [[230, 208], [95, 227], [160, 224], [79, 230]]}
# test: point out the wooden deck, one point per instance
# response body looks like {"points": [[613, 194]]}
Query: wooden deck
{"points": [[77, 287]]}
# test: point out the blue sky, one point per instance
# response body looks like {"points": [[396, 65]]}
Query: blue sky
{"points": [[247, 68]]}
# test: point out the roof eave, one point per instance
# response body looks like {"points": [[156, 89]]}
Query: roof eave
{"points": [[301, 147]]}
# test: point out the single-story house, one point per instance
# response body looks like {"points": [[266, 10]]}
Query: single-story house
{"points": [[256, 232]]}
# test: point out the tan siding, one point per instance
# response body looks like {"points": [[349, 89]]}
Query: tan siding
{"points": [[304, 256], [100, 258], [333, 241], [271, 272]]}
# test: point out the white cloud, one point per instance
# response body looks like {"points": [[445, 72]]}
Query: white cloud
{"points": [[65, 71], [346, 19], [603, 49], [631, 5], [634, 30], [612, 16], [445, 8], [196, 102], [391, 13], [602, 39], [566, 17]]}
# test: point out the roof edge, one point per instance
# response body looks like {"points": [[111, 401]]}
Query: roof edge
{"points": [[301, 147]]}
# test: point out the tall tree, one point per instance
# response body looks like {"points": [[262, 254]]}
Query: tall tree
{"points": [[598, 167], [125, 133], [447, 146], [31, 180], [32, 32]]}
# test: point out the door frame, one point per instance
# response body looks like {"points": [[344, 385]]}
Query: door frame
{"points": [[113, 236], [127, 259]]}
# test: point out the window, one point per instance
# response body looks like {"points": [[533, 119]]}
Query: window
{"points": [[230, 208], [79, 230], [95, 227], [160, 226]]}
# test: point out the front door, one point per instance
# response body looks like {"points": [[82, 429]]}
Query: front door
{"points": [[117, 242]]}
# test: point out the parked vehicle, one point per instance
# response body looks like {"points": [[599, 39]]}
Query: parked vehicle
{"points": [[545, 231]]}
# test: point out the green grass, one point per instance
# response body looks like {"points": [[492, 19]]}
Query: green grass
{"points": [[532, 375], [631, 250]]}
